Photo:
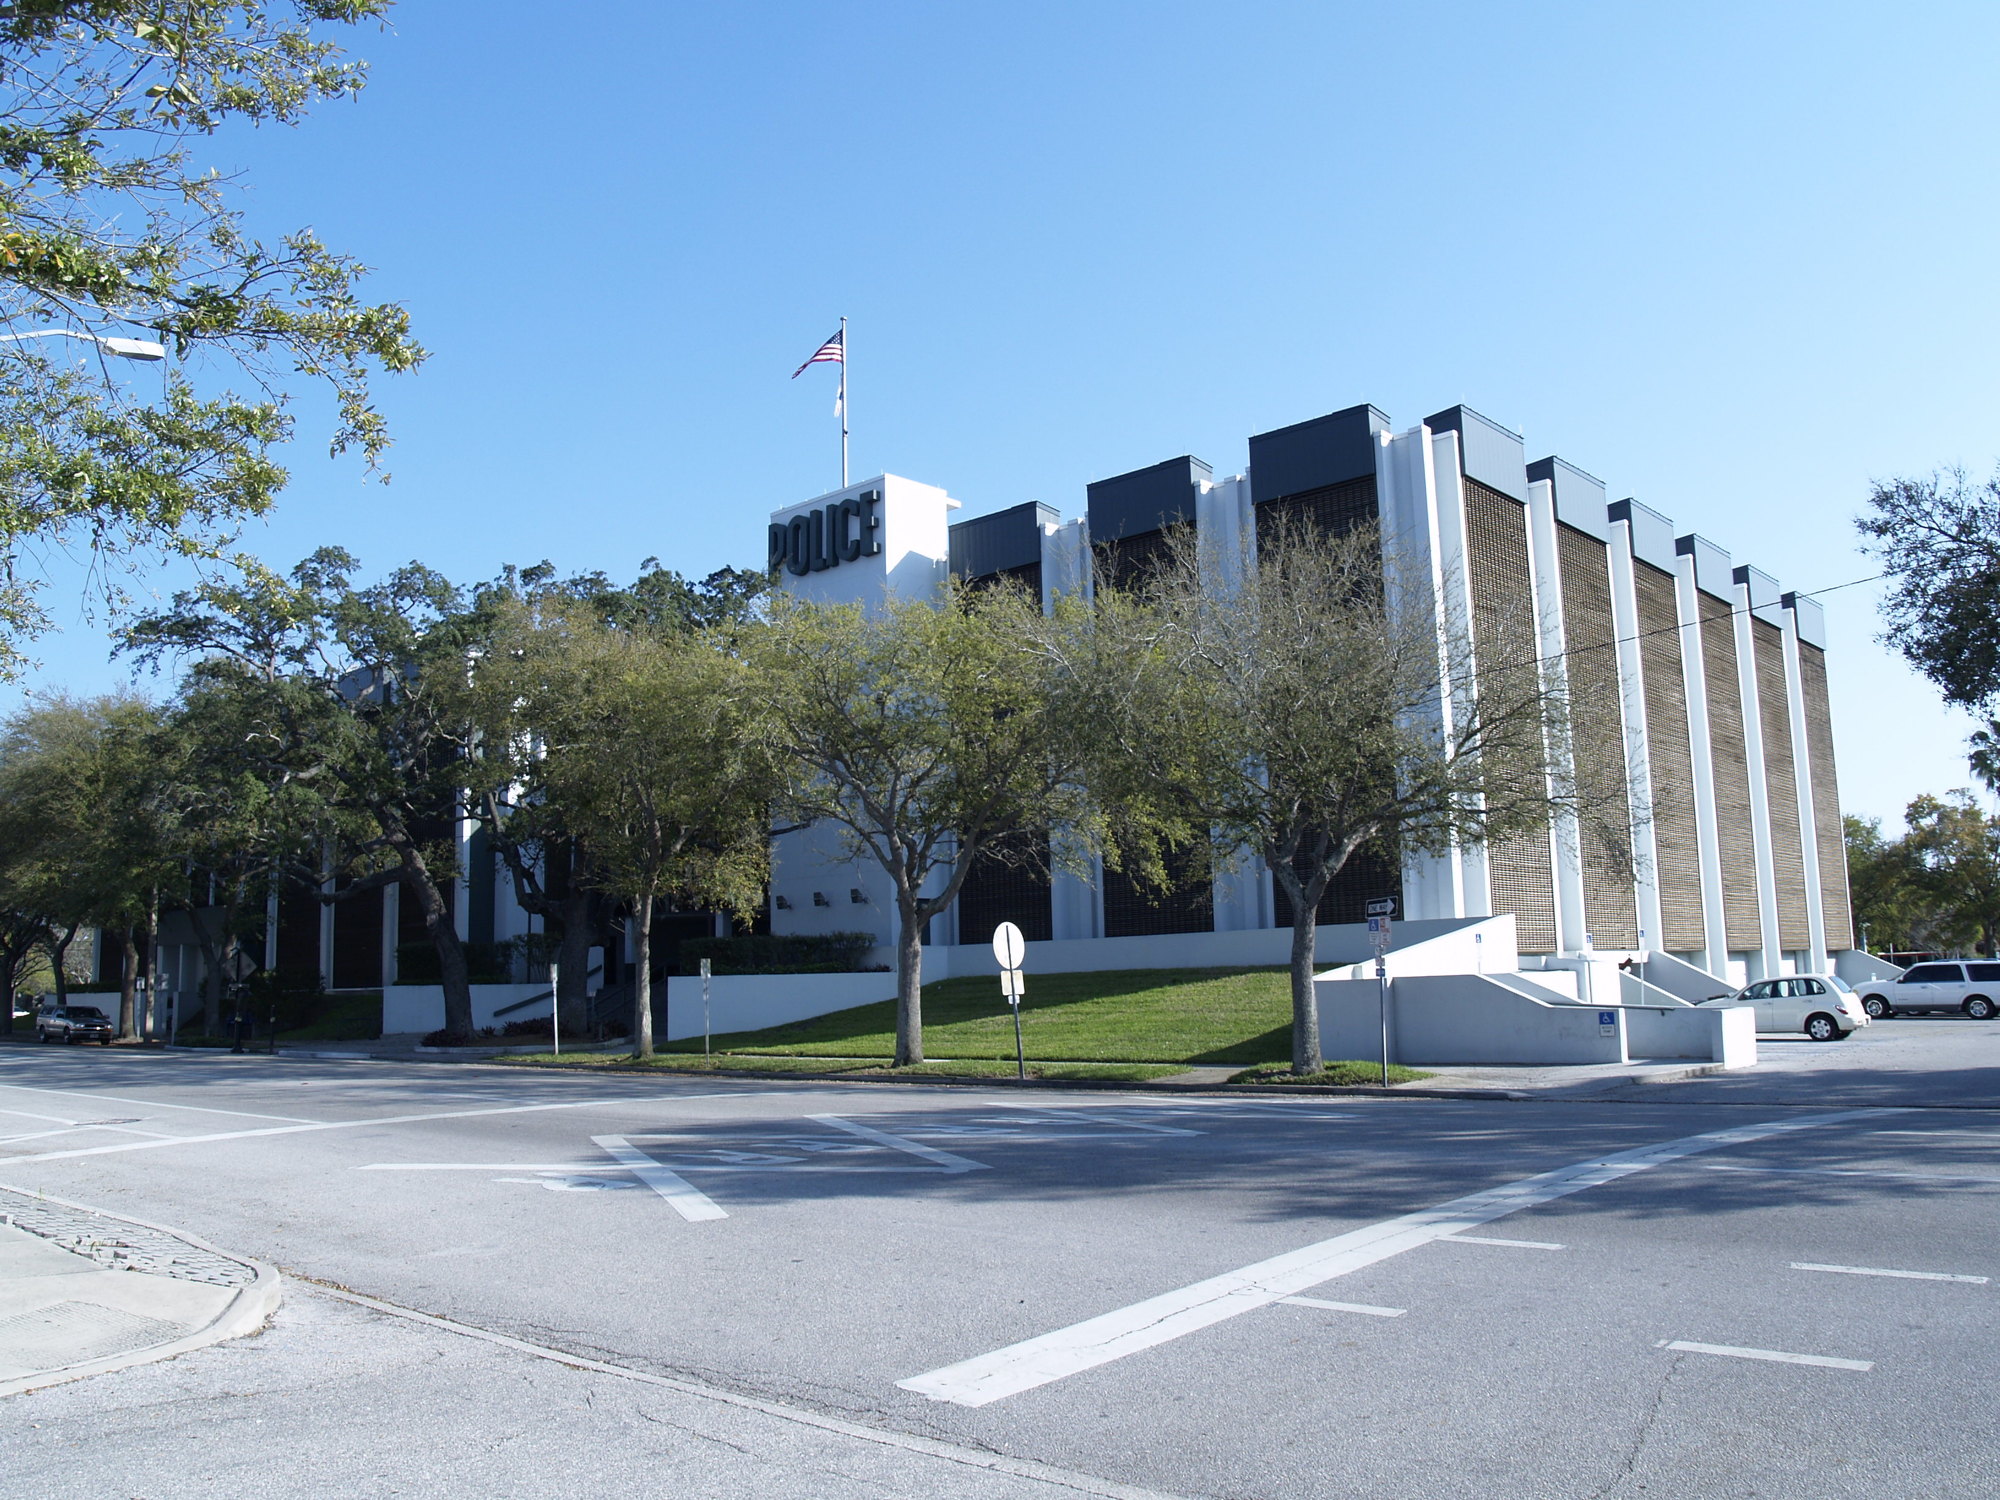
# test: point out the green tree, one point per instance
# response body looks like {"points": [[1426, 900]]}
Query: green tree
{"points": [[1305, 711], [1956, 846], [1893, 904], [359, 692], [77, 780], [114, 221], [928, 733], [645, 745]]}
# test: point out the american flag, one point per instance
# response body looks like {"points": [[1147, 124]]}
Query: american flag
{"points": [[833, 351]]}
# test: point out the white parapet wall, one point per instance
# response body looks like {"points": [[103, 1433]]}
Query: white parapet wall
{"points": [[751, 1002], [1505, 1019], [1857, 966], [413, 1009]]}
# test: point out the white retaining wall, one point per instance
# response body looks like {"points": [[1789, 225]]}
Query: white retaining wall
{"points": [[1858, 967], [419, 1008], [737, 1002]]}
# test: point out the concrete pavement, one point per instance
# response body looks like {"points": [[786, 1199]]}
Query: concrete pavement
{"points": [[1669, 1293]]}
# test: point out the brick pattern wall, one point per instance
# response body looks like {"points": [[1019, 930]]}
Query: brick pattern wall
{"points": [[1731, 762], [1781, 787], [1827, 831], [1521, 868], [1590, 632], [1671, 761]]}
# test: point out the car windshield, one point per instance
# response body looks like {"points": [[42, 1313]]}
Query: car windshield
{"points": [[85, 1013]]}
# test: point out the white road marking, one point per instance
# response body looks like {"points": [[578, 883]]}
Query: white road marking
{"points": [[1171, 1315], [456, 1114], [1806, 1265], [972, 1458], [487, 1166], [1716, 1166], [1482, 1239], [152, 1103], [1777, 1356], [944, 1159], [1978, 1135], [687, 1200], [1353, 1307]]}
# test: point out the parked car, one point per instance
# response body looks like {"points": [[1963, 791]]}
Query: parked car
{"points": [[1972, 988], [1816, 1005], [71, 1024]]}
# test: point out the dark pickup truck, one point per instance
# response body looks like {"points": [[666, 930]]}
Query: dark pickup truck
{"points": [[73, 1024]]}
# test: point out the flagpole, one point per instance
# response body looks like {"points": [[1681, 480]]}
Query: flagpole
{"points": [[843, 403]]}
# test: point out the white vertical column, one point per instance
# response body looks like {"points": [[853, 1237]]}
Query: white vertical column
{"points": [[326, 929], [1771, 958], [1638, 751], [271, 928], [1406, 495], [1708, 839], [1802, 780], [1566, 840], [1445, 492], [391, 905]]}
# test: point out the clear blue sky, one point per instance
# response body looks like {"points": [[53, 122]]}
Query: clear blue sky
{"points": [[1735, 258]]}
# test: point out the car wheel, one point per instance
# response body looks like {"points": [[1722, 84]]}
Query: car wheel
{"points": [[69, 1038], [1822, 1027], [105, 1043], [1979, 1008], [1877, 1008], [41, 1036]]}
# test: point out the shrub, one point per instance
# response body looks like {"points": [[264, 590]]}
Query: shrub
{"points": [[767, 953]]}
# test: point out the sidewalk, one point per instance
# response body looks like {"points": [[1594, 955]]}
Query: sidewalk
{"points": [[84, 1293]]}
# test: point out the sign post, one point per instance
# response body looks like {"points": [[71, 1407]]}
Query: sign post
{"points": [[704, 1007], [1379, 913], [1009, 947], [555, 1007]]}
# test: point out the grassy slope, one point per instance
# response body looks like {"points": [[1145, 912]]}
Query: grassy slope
{"points": [[1136, 1015]]}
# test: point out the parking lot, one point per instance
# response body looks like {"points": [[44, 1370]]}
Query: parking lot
{"points": [[1765, 1285]]}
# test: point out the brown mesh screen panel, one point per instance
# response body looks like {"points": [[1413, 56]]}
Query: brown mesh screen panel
{"points": [[1670, 759], [1367, 876], [1130, 911], [1590, 633], [1028, 575], [1731, 763], [357, 942], [1827, 832], [1781, 786], [1520, 869], [998, 891], [298, 933], [1334, 508], [1127, 562]]}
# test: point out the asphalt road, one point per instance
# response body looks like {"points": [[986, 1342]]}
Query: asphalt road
{"points": [[871, 1291]]}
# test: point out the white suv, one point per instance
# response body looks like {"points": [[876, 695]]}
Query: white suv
{"points": [[1970, 987]]}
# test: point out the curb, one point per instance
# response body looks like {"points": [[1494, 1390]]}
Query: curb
{"points": [[247, 1312]]}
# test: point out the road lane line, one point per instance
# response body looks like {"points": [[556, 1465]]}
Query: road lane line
{"points": [[687, 1200], [1806, 1265], [972, 1458], [1716, 1166], [1482, 1239], [901, 1143], [1776, 1356], [1980, 1135], [200, 1109], [1053, 1116], [487, 1166], [1353, 1307], [1171, 1315], [455, 1114]]}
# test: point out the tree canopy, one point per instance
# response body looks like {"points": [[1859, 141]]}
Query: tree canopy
{"points": [[116, 222]]}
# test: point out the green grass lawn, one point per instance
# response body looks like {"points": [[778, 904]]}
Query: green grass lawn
{"points": [[1183, 1016]]}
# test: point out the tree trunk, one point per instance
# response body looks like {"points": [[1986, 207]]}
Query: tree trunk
{"points": [[149, 1027], [574, 981], [58, 956], [439, 928], [1306, 1056], [909, 984], [642, 975], [128, 981]]}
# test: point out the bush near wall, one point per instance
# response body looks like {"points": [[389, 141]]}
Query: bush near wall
{"points": [[486, 963], [766, 953]]}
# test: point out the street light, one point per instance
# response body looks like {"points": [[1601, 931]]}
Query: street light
{"points": [[144, 349]]}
